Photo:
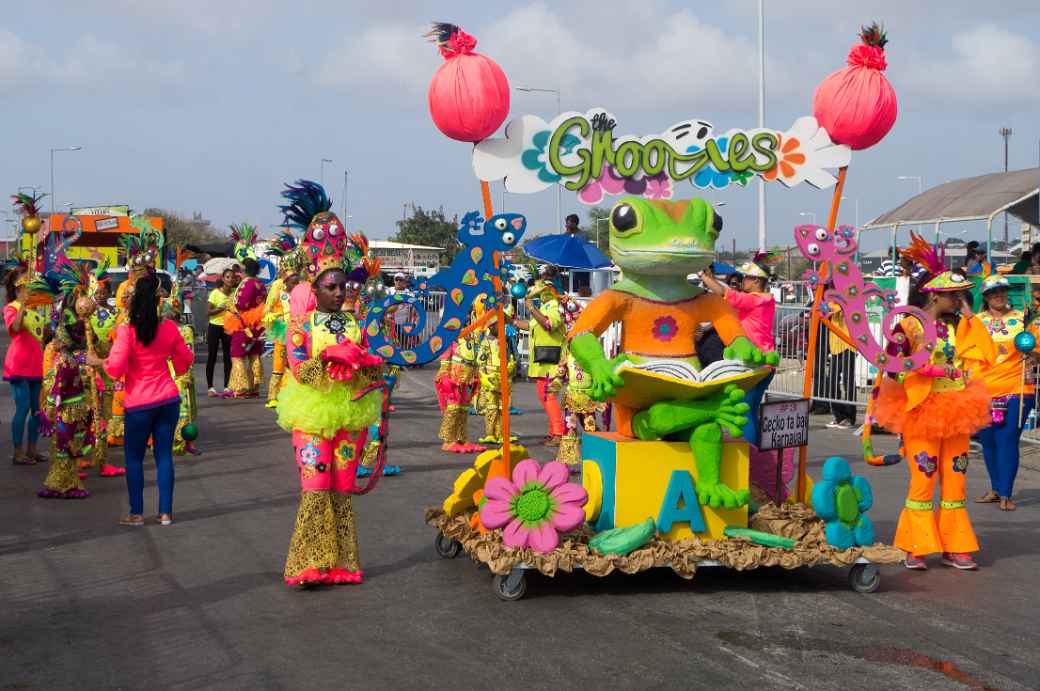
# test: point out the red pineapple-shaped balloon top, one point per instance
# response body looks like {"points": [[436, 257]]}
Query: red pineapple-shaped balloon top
{"points": [[469, 93], [857, 104]]}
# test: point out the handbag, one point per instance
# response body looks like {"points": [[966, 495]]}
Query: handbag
{"points": [[547, 355]]}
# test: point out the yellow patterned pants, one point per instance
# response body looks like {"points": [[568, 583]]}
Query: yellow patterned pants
{"points": [[246, 375], [277, 370], [491, 407], [325, 536], [102, 420]]}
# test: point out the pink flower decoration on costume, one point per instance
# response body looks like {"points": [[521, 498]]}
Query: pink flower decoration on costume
{"points": [[665, 328], [607, 183], [535, 506]]}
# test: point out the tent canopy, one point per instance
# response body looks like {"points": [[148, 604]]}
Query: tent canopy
{"points": [[970, 199]]}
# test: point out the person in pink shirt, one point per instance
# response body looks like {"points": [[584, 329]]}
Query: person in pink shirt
{"points": [[140, 354], [23, 365], [755, 307]]}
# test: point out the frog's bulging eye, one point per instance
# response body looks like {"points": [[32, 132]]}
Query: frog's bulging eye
{"points": [[508, 238], [624, 219], [318, 234], [813, 249], [500, 224], [821, 234]]}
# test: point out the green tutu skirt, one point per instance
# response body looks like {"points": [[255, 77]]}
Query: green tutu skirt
{"points": [[325, 413]]}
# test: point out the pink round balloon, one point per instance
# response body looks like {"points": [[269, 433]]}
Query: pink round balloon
{"points": [[857, 104], [469, 93]]}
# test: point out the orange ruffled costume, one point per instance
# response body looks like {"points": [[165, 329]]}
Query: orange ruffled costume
{"points": [[936, 416]]}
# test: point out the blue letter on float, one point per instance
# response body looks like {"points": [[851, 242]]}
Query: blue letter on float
{"points": [[680, 491]]}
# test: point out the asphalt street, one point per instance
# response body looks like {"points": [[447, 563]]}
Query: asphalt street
{"points": [[88, 604]]}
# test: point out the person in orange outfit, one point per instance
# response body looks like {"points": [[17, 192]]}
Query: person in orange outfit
{"points": [[937, 408], [1012, 392]]}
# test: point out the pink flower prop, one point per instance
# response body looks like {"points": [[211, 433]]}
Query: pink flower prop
{"points": [[535, 506], [658, 187]]}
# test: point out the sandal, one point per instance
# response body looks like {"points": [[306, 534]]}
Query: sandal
{"points": [[989, 497], [23, 460], [1007, 505], [132, 519]]}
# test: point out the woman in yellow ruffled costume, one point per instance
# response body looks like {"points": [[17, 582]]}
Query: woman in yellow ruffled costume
{"points": [[937, 408], [331, 397]]}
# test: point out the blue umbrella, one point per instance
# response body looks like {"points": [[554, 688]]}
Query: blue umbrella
{"points": [[567, 251], [723, 269]]}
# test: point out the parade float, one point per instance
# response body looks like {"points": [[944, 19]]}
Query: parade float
{"points": [[671, 487]]}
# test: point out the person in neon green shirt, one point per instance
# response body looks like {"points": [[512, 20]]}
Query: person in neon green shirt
{"points": [[215, 336], [546, 336]]}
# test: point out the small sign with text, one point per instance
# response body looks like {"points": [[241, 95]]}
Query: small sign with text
{"points": [[784, 424]]}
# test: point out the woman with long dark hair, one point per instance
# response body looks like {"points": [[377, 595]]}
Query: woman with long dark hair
{"points": [[140, 354], [23, 364]]}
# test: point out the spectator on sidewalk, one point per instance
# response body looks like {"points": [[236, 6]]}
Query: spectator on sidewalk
{"points": [[842, 379]]}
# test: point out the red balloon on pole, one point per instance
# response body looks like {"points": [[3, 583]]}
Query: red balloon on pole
{"points": [[857, 104], [469, 93]]}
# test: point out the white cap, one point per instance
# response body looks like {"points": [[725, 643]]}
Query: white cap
{"points": [[399, 274]]}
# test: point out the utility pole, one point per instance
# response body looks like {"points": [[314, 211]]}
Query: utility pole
{"points": [[1005, 132], [761, 120]]}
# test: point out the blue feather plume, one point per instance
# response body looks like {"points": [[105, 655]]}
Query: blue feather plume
{"points": [[306, 200]]}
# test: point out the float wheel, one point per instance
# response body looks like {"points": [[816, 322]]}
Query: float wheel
{"points": [[865, 578]]}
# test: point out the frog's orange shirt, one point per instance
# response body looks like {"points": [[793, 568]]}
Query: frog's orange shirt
{"points": [[653, 328]]}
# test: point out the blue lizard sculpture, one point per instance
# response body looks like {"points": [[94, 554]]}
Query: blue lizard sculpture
{"points": [[470, 274]]}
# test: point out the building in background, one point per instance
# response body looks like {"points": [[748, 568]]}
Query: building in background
{"points": [[414, 260]]}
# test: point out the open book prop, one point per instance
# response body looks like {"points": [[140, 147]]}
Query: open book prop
{"points": [[654, 380]]}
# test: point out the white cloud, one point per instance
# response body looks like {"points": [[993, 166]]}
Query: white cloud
{"points": [[88, 61], [651, 58], [990, 67]]}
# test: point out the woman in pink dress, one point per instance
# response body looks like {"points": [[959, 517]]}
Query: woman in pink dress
{"points": [[245, 324]]}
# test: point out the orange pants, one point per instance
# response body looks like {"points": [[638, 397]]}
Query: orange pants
{"points": [[921, 529]]}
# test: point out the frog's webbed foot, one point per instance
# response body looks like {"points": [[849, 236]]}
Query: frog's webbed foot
{"points": [[718, 495]]}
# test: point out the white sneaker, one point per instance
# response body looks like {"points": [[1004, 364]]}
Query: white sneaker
{"points": [[834, 424], [844, 424]]}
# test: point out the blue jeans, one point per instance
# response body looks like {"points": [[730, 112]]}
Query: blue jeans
{"points": [[754, 398], [159, 424], [1000, 446], [26, 394]]}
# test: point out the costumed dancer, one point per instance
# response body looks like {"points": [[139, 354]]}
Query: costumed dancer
{"points": [[579, 408], [457, 383], [547, 335], [276, 309], [71, 399], [187, 430], [489, 364], [937, 408], [1009, 379], [141, 250], [330, 400], [244, 322], [101, 325]]}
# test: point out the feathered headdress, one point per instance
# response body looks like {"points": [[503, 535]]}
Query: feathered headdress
{"points": [[44, 289], [244, 236], [932, 258], [144, 247], [325, 243]]}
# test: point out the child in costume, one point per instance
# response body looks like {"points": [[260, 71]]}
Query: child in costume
{"points": [[71, 396], [330, 399], [101, 330], [171, 309], [489, 365], [937, 408], [579, 408], [546, 339], [276, 309], [457, 382], [1012, 391]]}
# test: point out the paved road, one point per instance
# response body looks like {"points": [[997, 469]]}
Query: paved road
{"points": [[199, 605]]}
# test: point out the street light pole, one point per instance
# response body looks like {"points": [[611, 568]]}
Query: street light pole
{"points": [[64, 148], [531, 89], [1005, 132], [323, 162], [920, 191], [761, 120]]}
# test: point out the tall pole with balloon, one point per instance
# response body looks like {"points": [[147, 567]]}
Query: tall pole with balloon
{"points": [[857, 106], [469, 100]]}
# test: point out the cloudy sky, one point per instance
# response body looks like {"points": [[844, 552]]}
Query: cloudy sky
{"points": [[205, 105]]}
